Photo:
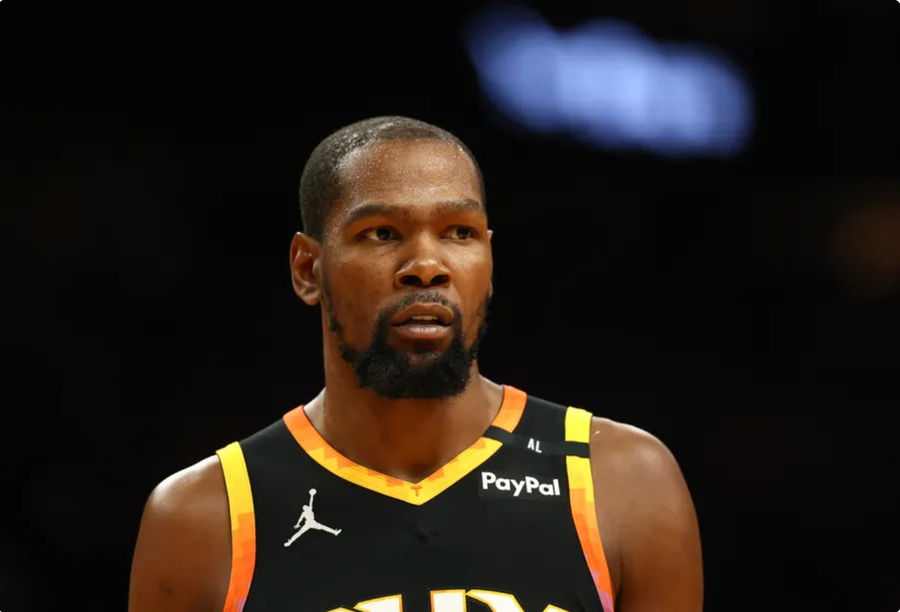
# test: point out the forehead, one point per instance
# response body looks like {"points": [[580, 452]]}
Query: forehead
{"points": [[411, 173]]}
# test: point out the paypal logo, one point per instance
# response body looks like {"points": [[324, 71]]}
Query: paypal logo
{"points": [[526, 487]]}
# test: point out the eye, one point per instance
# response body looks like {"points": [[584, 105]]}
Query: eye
{"points": [[461, 232], [380, 234]]}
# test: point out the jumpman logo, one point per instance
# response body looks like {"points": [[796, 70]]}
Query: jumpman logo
{"points": [[308, 521]]}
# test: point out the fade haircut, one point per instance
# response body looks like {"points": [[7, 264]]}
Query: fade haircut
{"points": [[320, 182]]}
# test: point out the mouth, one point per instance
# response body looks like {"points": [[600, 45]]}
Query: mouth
{"points": [[423, 314], [423, 321]]}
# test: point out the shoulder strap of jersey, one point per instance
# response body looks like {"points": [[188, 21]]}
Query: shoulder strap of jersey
{"points": [[243, 526], [539, 424], [548, 447], [581, 501]]}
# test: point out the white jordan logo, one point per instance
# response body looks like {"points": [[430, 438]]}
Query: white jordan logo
{"points": [[308, 521]]}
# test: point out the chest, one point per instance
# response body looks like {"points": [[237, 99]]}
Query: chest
{"points": [[500, 538]]}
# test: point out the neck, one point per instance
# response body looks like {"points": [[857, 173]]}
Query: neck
{"points": [[408, 439]]}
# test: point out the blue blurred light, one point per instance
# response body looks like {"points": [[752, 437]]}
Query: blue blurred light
{"points": [[607, 84]]}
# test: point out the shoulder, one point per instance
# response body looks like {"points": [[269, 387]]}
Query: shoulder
{"points": [[625, 450], [644, 509], [182, 558], [635, 475], [190, 493]]}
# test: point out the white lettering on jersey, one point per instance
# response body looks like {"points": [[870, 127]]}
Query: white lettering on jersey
{"points": [[453, 600], [529, 484]]}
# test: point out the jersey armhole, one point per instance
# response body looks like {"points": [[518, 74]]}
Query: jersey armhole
{"points": [[581, 502], [243, 526]]}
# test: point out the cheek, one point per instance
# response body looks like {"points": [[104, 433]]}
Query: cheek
{"points": [[476, 275], [477, 288], [356, 292]]}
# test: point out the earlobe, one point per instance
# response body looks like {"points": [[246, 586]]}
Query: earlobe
{"points": [[304, 268], [490, 234]]}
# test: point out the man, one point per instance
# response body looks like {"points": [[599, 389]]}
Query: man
{"points": [[436, 487]]}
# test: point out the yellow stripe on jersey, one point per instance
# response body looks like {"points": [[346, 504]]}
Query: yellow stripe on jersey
{"points": [[581, 501], [243, 526]]}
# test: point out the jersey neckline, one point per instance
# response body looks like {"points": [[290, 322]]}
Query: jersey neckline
{"points": [[415, 493]]}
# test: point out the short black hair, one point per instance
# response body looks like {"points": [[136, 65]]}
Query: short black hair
{"points": [[319, 184]]}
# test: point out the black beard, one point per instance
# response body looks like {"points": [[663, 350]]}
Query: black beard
{"points": [[393, 374]]}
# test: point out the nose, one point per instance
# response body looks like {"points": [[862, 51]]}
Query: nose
{"points": [[424, 268]]}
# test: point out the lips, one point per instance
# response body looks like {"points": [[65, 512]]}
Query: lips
{"points": [[423, 314], [423, 322]]}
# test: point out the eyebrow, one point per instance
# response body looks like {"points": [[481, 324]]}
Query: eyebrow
{"points": [[379, 209]]}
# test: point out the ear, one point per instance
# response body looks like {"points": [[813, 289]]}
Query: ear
{"points": [[490, 234], [305, 268]]}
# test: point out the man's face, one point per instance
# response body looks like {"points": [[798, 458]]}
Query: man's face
{"points": [[406, 267]]}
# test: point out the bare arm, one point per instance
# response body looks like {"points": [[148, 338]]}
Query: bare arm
{"points": [[647, 521], [182, 560]]}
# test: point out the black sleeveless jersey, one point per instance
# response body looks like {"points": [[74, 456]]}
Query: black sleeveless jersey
{"points": [[509, 525]]}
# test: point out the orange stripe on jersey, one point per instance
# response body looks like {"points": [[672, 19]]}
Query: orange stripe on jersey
{"points": [[511, 409], [584, 512], [413, 493], [243, 526]]}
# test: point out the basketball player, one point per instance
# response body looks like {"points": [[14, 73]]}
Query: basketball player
{"points": [[435, 488]]}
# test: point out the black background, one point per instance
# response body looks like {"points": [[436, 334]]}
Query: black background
{"points": [[746, 311]]}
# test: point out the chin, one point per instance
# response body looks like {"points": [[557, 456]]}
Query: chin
{"points": [[419, 358]]}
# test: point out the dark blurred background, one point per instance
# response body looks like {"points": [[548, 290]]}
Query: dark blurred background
{"points": [[743, 307]]}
